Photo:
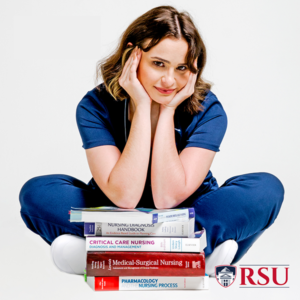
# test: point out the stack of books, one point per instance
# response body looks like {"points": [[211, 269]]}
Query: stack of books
{"points": [[142, 249]]}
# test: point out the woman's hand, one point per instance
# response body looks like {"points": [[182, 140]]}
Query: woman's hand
{"points": [[185, 92], [129, 81]]}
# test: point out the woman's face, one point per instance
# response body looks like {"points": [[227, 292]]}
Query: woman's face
{"points": [[163, 70]]}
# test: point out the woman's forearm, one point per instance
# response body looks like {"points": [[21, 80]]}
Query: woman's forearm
{"points": [[167, 173], [128, 177]]}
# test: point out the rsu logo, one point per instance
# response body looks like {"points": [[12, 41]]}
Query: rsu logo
{"points": [[259, 276]]}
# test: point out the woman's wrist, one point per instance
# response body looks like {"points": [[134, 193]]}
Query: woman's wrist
{"points": [[143, 103], [142, 107], [167, 110]]}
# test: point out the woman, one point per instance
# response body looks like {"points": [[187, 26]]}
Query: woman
{"points": [[151, 132]]}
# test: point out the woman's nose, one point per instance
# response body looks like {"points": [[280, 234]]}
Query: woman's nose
{"points": [[168, 80]]}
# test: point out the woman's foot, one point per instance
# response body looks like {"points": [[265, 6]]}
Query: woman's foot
{"points": [[69, 254], [222, 255]]}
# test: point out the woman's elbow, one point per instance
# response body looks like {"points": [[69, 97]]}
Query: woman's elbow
{"points": [[161, 206], [123, 197], [126, 203], [167, 201], [126, 206], [163, 203], [129, 198]]}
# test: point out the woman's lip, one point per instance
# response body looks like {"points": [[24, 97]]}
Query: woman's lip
{"points": [[165, 91]]}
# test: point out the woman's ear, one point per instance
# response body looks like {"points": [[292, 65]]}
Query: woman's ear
{"points": [[129, 45]]}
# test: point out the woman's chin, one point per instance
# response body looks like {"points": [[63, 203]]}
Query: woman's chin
{"points": [[165, 100]]}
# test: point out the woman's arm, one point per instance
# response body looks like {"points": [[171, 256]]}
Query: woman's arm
{"points": [[122, 177], [175, 177]]}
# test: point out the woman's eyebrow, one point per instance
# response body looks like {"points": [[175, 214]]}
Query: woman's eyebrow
{"points": [[164, 60]]}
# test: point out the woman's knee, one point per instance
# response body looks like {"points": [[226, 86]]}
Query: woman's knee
{"points": [[271, 187], [37, 189], [27, 192], [260, 185], [261, 195], [270, 193]]}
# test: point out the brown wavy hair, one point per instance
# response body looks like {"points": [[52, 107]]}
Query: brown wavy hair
{"points": [[156, 24]]}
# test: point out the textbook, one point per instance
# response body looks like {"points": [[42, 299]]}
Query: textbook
{"points": [[109, 214], [144, 244], [148, 283], [165, 229], [144, 264]]}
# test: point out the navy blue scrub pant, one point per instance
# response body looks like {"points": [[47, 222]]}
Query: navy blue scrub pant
{"points": [[241, 209]]}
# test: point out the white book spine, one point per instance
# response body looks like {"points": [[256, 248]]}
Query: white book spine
{"points": [[148, 283], [157, 244], [156, 216], [166, 229]]}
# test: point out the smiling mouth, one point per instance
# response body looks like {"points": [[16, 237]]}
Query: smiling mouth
{"points": [[164, 91]]}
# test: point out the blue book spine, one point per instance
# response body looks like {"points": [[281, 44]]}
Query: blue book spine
{"points": [[89, 228], [154, 218], [191, 212]]}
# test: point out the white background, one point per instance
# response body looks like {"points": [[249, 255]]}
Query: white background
{"points": [[48, 54]]}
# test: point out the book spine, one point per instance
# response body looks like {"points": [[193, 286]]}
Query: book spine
{"points": [[175, 215], [166, 229], [75, 216], [107, 217], [157, 244], [148, 283], [144, 264]]}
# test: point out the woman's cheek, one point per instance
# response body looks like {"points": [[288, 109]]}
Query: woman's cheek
{"points": [[182, 80], [143, 76]]}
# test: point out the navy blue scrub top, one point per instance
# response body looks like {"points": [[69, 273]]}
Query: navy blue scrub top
{"points": [[102, 121]]}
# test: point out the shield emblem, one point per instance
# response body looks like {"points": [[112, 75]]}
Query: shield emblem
{"points": [[225, 275]]}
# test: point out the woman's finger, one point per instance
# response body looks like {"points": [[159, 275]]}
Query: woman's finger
{"points": [[195, 63], [132, 67], [127, 66], [130, 60], [193, 81], [127, 71], [135, 63], [189, 84]]}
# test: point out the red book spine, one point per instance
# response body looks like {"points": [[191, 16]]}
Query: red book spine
{"points": [[145, 264], [106, 284]]}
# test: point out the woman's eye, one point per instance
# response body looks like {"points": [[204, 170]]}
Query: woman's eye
{"points": [[182, 68], [158, 63], [161, 64]]}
